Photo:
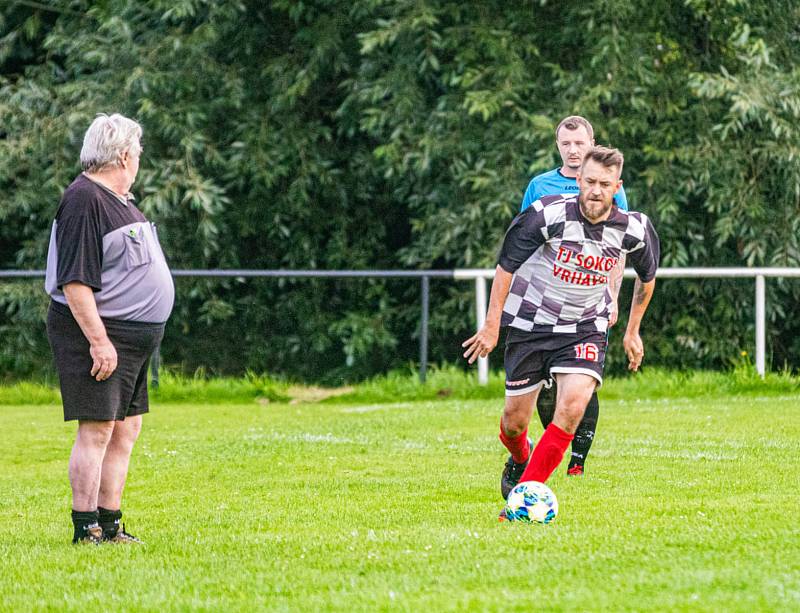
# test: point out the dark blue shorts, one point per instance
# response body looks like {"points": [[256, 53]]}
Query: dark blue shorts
{"points": [[532, 358]]}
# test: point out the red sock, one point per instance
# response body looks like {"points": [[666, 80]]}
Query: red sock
{"points": [[518, 445], [547, 454]]}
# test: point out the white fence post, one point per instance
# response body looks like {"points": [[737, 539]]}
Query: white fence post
{"points": [[760, 325], [480, 316]]}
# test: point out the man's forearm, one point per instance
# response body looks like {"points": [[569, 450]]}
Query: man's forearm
{"points": [[642, 293], [80, 299], [497, 298], [615, 278]]}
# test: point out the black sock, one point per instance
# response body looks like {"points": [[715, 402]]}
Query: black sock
{"points": [[584, 435], [82, 521], [109, 521], [546, 404]]}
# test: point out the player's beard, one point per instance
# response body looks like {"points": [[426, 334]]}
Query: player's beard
{"points": [[594, 210]]}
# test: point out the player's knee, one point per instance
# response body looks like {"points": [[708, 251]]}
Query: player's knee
{"points": [[95, 434], [514, 425], [514, 421], [517, 414], [574, 406], [566, 423], [568, 415]]}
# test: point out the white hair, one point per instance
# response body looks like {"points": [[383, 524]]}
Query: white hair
{"points": [[107, 139]]}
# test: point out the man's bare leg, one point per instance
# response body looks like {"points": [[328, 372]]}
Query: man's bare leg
{"points": [[112, 480], [574, 392], [517, 413], [514, 435], [117, 460], [85, 466], [86, 461]]}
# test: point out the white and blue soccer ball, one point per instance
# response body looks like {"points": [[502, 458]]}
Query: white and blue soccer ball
{"points": [[531, 502]]}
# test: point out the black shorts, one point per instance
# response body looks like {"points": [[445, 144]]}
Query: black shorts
{"points": [[532, 357], [124, 393]]}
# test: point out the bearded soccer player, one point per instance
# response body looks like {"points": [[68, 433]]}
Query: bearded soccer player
{"points": [[574, 137], [551, 288]]}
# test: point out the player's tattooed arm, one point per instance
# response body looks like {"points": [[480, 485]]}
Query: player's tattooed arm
{"points": [[614, 285], [632, 342], [640, 293], [615, 279]]}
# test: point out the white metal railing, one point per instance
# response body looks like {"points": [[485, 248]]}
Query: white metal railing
{"points": [[480, 275], [760, 274]]}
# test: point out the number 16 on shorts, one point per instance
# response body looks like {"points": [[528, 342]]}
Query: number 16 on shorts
{"points": [[587, 351]]}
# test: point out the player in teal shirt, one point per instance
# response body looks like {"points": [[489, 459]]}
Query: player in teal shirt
{"points": [[574, 137], [554, 182]]}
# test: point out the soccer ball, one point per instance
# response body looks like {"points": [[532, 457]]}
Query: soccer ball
{"points": [[531, 502]]}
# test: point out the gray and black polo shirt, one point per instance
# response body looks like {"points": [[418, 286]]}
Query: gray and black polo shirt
{"points": [[108, 245]]}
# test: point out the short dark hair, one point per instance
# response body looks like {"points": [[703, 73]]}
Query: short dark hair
{"points": [[573, 122], [607, 156]]}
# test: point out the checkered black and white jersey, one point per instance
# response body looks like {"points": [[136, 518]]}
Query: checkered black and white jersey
{"points": [[561, 264]]}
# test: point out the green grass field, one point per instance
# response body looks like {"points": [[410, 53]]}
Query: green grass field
{"points": [[689, 504]]}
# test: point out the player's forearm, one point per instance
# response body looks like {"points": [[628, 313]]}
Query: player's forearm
{"points": [[642, 293], [80, 299], [497, 298]]}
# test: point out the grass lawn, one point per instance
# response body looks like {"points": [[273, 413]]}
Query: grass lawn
{"points": [[688, 504]]}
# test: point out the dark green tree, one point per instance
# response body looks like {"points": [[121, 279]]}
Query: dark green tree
{"points": [[377, 134]]}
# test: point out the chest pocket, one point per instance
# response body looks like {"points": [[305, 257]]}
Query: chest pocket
{"points": [[136, 251]]}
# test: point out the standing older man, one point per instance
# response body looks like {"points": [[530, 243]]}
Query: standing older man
{"points": [[112, 294]]}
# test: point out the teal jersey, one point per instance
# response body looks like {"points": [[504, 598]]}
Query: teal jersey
{"points": [[553, 183]]}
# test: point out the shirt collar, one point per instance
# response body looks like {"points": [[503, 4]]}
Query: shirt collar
{"points": [[127, 199]]}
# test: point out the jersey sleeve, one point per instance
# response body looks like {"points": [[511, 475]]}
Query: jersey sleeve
{"points": [[79, 244], [523, 237], [644, 248], [531, 195], [621, 199]]}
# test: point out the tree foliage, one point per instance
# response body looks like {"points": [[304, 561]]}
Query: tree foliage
{"points": [[377, 134]]}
